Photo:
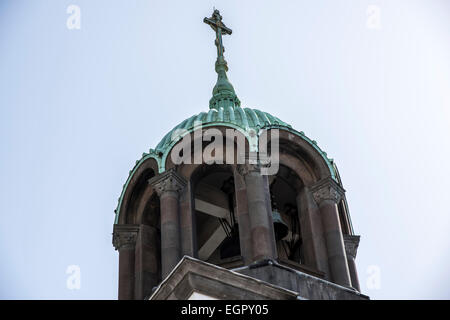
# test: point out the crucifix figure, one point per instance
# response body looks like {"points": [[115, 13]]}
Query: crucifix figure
{"points": [[219, 27]]}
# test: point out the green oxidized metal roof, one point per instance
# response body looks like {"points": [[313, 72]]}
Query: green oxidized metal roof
{"points": [[243, 118]]}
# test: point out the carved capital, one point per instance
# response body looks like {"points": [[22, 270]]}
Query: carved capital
{"points": [[124, 236], [351, 245], [252, 164], [167, 181], [244, 169], [327, 189]]}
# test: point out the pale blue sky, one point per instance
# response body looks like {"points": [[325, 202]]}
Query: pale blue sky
{"points": [[78, 107]]}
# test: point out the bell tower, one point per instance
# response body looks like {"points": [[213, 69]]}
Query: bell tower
{"points": [[205, 214]]}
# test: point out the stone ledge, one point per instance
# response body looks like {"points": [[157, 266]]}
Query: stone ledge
{"points": [[307, 286], [192, 275]]}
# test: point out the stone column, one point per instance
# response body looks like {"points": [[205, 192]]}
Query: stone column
{"points": [[243, 217], [260, 213], [146, 262], [314, 244], [351, 247], [327, 194], [124, 240], [168, 186], [187, 222]]}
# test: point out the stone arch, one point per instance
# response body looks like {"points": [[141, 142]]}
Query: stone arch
{"points": [[299, 166], [304, 156], [191, 173], [136, 192], [138, 220], [244, 135], [297, 248]]}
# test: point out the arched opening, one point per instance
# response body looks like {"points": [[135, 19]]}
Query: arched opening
{"points": [[143, 209], [148, 248], [284, 188], [152, 214], [134, 202], [217, 232]]}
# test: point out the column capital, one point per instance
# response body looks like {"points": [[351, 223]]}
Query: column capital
{"points": [[252, 165], [167, 181], [125, 235], [327, 189], [244, 169], [351, 245]]}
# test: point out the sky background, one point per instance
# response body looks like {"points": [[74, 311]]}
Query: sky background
{"points": [[79, 107]]}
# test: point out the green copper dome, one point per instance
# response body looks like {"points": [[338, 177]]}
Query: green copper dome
{"points": [[243, 119], [236, 117]]}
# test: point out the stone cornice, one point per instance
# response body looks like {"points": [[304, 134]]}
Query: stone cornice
{"points": [[167, 181], [125, 235], [327, 189], [351, 245]]}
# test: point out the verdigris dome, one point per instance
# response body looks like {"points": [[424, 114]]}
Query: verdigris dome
{"points": [[243, 119], [236, 117]]}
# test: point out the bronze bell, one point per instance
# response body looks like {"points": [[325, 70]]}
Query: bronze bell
{"points": [[280, 227]]}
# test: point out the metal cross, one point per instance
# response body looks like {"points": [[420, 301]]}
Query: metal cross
{"points": [[215, 22]]}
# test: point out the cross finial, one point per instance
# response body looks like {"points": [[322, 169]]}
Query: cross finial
{"points": [[223, 92], [219, 27]]}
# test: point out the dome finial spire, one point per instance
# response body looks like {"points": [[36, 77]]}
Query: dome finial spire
{"points": [[223, 92]]}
